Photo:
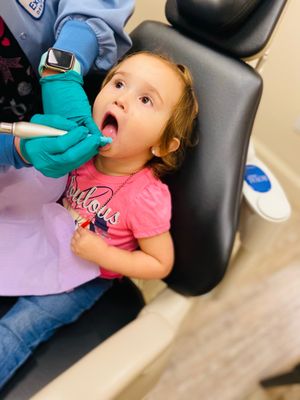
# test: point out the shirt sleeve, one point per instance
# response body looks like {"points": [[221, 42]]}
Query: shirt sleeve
{"points": [[150, 213], [9, 154], [98, 34]]}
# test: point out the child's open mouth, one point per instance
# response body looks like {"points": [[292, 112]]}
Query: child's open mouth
{"points": [[109, 126]]}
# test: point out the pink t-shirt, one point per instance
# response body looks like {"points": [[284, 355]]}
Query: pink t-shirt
{"points": [[122, 209]]}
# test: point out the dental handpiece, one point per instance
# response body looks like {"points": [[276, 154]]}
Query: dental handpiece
{"points": [[28, 130]]}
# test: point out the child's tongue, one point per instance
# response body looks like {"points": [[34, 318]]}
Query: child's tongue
{"points": [[110, 130]]}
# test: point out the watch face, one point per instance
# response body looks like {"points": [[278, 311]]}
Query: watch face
{"points": [[60, 59]]}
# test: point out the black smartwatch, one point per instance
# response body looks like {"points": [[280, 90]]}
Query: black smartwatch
{"points": [[59, 60]]}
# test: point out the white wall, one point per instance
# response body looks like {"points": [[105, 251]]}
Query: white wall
{"points": [[147, 9], [277, 140]]}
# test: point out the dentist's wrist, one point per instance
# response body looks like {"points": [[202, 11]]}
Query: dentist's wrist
{"points": [[48, 72]]}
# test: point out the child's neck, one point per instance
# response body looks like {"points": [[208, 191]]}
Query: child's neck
{"points": [[116, 167]]}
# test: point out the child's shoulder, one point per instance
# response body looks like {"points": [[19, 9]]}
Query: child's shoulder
{"points": [[150, 189], [146, 179], [150, 209]]}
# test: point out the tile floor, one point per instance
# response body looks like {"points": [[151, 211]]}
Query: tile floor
{"points": [[242, 332]]}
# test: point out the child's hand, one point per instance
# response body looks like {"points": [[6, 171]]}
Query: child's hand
{"points": [[87, 244]]}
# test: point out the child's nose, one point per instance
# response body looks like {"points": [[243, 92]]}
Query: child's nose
{"points": [[122, 102]]}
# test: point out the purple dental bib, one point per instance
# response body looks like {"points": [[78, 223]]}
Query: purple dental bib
{"points": [[35, 236]]}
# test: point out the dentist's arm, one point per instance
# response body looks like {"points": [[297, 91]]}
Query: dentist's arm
{"points": [[94, 33]]}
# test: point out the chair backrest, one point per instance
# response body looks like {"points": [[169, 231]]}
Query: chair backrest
{"points": [[206, 191], [211, 37]]}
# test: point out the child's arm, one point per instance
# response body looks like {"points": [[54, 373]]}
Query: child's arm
{"points": [[154, 260]]}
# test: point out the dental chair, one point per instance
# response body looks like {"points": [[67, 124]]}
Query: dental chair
{"points": [[118, 349]]}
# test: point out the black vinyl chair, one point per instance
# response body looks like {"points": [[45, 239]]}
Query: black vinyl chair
{"points": [[206, 192]]}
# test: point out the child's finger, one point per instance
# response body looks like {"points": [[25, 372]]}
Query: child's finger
{"points": [[79, 231], [75, 237], [82, 231]]}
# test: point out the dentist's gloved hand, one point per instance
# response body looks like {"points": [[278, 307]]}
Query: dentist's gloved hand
{"points": [[57, 155], [64, 95]]}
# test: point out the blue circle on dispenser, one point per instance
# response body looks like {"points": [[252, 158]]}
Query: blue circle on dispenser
{"points": [[257, 179]]}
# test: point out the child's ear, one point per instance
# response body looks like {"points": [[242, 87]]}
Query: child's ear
{"points": [[173, 146]]}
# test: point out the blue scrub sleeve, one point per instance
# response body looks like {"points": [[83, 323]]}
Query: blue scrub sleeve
{"points": [[80, 39], [9, 154]]}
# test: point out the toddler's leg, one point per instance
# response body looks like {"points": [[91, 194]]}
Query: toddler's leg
{"points": [[33, 319]]}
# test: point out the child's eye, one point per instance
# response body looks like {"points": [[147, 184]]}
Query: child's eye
{"points": [[146, 100], [118, 84]]}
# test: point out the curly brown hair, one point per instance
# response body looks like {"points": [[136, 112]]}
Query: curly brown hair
{"points": [[181, 122]]}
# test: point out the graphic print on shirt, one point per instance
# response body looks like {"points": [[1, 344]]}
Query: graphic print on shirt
{"points": [[94, 201], [101, 225]]}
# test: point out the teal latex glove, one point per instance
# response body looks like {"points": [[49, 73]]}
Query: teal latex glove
{"points": [[58, 155], [64, 95]]}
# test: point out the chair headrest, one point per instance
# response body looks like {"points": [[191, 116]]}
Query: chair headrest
{"points": [[217, 15], [241, 27]]}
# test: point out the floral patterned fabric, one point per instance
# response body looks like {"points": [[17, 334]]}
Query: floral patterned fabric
{"points": [[20, 95]]}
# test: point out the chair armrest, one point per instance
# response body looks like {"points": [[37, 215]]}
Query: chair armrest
{"points": [[112, 366]]}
